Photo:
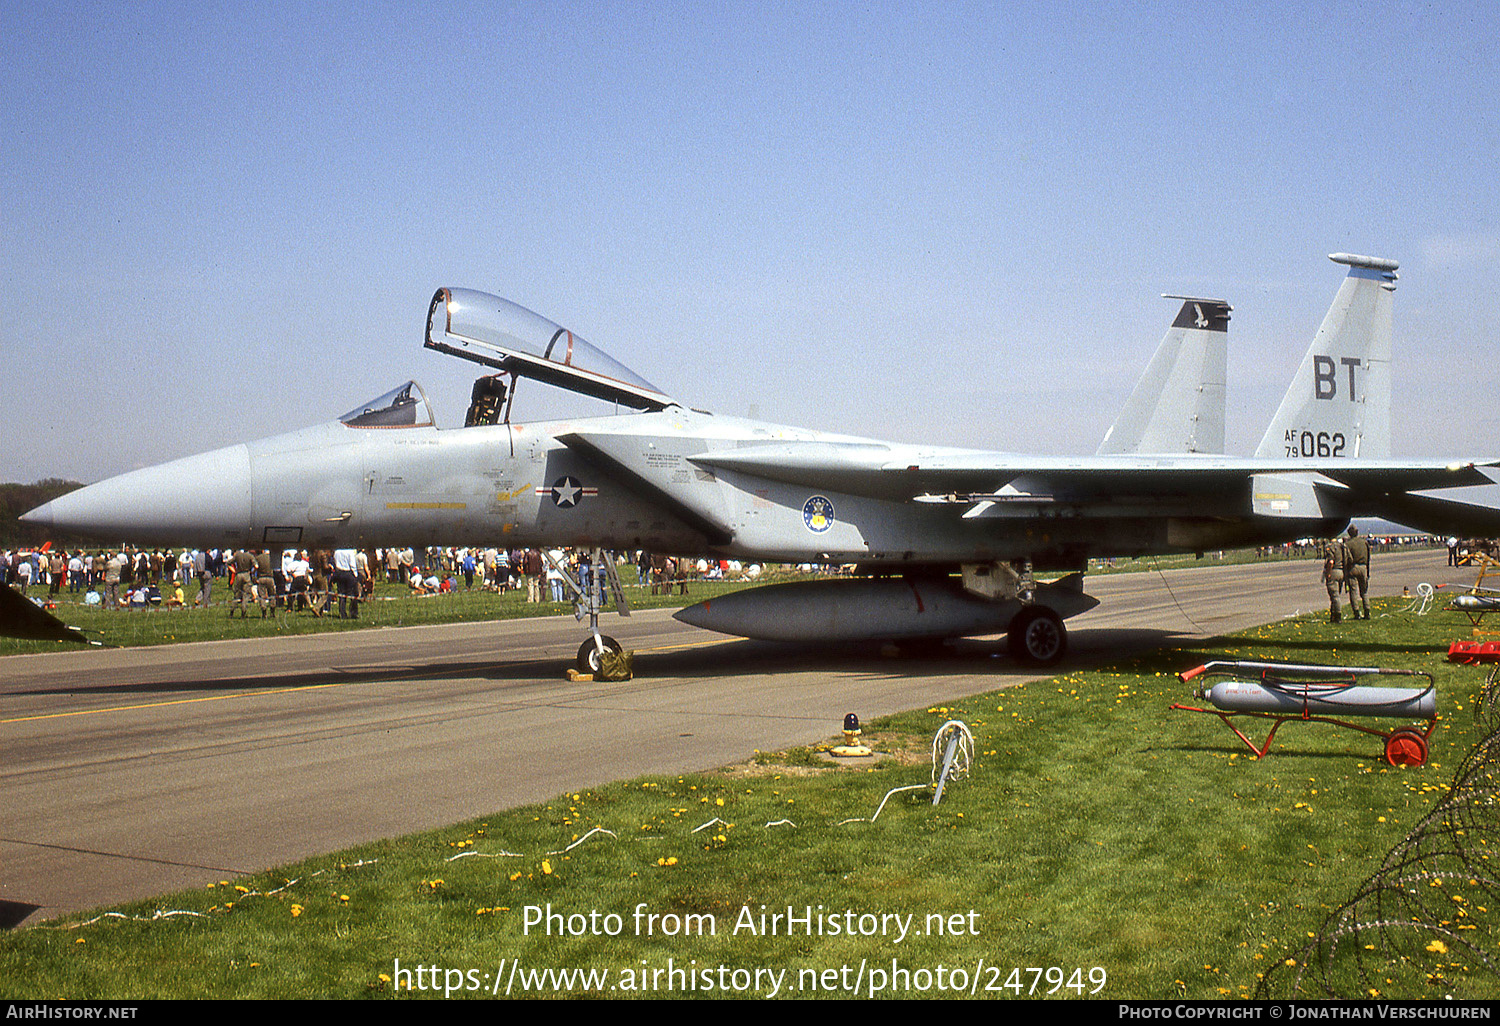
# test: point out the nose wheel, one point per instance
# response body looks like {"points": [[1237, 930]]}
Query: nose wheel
{"points": [[588, 653]]}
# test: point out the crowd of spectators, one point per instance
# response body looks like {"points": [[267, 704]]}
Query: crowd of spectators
{"points": [[302, 580]]}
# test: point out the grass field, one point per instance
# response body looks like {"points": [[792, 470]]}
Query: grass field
{"points": [[1103, 846]]}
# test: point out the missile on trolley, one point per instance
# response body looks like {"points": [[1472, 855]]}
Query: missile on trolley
{"points": [[1322, 699], [1476, 602], [1284, 695], [878, 609]]}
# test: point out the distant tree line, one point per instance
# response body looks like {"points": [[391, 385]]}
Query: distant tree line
{"points": [[16, 499]]}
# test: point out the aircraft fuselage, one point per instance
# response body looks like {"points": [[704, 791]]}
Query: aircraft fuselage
{"points": [[628, 482]]}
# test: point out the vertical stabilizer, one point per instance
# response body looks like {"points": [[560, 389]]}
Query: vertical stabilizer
{"points": [[1178, 403], [1340, 400]]}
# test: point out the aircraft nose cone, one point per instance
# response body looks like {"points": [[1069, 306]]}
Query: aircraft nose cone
{"points": [[199, 500], [41, 516]]}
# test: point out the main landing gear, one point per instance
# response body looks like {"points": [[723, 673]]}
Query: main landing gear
{"points": [[1037, 637]]}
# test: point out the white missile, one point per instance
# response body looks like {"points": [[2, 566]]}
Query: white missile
{"points": [[1322, 699]]}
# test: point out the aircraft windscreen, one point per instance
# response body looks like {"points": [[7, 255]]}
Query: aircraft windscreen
{"points": [[496, 332], [404, 406]]}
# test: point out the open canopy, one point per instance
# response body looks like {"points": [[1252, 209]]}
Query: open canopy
{"points": [[498, 333]]}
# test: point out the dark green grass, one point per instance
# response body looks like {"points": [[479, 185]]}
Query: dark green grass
{"points": [[1099, 832]]}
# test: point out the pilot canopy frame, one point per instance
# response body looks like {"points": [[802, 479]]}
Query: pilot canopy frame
{"points": [[497, 333]]}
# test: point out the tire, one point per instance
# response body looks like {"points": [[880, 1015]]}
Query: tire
{"points": [[1037, 637], [588, 653], [1406, 747]]}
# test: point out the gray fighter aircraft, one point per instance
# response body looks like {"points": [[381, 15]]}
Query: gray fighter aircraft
{"points": [[948, 539]]}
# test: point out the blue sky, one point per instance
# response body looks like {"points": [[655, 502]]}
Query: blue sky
{"points": [[947, 222]]}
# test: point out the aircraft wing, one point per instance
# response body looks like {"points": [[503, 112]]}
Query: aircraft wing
{"points": [[1438, 516], [893, 472]]}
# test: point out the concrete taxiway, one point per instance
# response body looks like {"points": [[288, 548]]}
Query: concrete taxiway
{"points": [[129, 773]]}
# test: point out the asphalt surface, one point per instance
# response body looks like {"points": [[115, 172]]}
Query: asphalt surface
{"points": [[129, 773]]}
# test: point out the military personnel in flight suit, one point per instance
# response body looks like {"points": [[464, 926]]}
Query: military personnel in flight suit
{"points": [[1334, 558], [1357, 572], [265, 583], [244, 583]]}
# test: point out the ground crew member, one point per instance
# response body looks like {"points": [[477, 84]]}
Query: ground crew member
{"points": [[265, 582], [1357, 571], [1334, 558], [244, 583]]}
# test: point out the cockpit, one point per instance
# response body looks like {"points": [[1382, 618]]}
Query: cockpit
{"points": [[404, 406], [499, 334]]}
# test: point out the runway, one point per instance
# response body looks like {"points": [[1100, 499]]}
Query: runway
{"points": [[129, 773]]}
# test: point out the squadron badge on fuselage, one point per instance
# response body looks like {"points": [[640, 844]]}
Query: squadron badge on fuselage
{"points": [[817, 514]]}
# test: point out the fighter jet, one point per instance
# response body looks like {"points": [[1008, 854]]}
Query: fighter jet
{"points": [[949, 542]]}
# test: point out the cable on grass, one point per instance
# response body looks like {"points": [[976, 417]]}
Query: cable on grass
{"points": [[1420, 603], [585, 837], [487, 855], [894, 790], [170, 913], [963, 758]]}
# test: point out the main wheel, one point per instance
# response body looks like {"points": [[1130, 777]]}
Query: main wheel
{"points": [[1406, 747], [1037, 637], [588, 653]]}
